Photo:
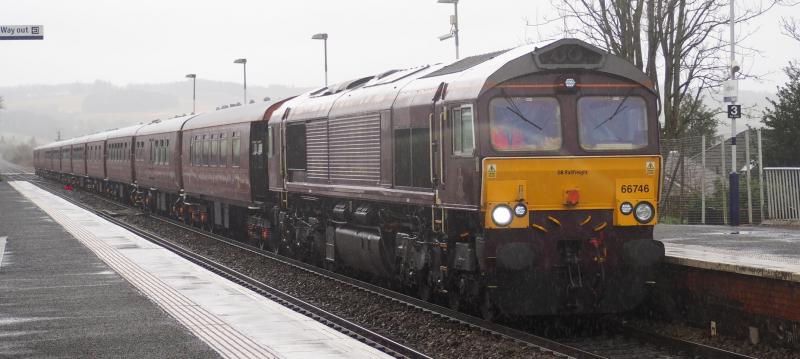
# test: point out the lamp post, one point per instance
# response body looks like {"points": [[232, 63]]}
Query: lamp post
{"points": [[324, 37], [453, 23], [733, 181], [194, 90], [244, 69]]}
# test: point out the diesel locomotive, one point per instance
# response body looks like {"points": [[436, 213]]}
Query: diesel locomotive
{"points": [[522, 182]]}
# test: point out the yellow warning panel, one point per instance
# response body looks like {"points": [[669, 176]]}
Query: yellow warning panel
{"points": [[571, 183]]}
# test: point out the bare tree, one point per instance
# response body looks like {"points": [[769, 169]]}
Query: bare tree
{"points": [[791, 28], [679, 44]]}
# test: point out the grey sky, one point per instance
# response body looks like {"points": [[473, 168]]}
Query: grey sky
{"points": [[148, 41]]}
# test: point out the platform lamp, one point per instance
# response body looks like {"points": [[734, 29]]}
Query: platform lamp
{"points": [[324, 37], [453, 23], [194, 90], [244, 69]]}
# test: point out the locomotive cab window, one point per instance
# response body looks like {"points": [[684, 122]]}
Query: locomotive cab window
{"points": [[612, 123], [463, 131], [525, 124]]}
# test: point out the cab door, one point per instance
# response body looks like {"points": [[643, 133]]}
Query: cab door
{"points": [[258, 160], [458, 163]]}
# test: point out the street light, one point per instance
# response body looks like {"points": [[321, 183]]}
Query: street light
{"points": [[453, 23], [324, 37], [194, 90], [244, 69]]}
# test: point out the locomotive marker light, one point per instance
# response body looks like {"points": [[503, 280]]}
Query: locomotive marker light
{"points": [[501, 215], [324, 37], [644, 212], [626, 208], [244, 69], [520, 210], [453, 23]]}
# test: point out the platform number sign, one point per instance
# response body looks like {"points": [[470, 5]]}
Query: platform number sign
{"points": [[734, 111]]}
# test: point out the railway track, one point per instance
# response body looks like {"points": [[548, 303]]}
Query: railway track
{"points": [[627, 342]]}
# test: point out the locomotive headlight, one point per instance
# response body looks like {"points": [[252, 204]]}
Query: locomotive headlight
{"points": [[644, 212], [520, 210], [501, 215], [626, 208]]}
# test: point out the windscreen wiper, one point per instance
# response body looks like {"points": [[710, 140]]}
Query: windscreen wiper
{"points": [[515, 110], [617, 110]]}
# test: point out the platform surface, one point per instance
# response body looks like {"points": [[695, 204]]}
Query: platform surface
{"points": [[770, 252], [230, 319], [58, 300]]}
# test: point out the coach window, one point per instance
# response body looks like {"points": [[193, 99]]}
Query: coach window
{"points": [[463, 131], [223, 150], [206, 150], [214, 150], [612, 123], [235, 149], [127, 154]]}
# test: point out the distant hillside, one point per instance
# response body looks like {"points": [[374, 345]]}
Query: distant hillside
{"points": [[80, 108]]}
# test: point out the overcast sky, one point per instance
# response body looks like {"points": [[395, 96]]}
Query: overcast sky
{"points": [[153, 41]]}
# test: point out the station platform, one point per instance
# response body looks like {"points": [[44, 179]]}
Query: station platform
{"points": [[75, 285], [762, 251]]}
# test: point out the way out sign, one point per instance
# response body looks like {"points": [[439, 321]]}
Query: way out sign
{"points": [[21, 32]]}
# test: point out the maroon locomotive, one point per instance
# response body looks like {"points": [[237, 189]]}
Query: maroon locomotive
{"points": [[519, 182]]}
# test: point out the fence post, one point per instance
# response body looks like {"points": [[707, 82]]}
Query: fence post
{"points": [[761, 183], [747, 170], [703, 179], [723, 180]]}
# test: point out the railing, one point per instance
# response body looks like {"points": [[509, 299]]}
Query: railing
{"points": [[783, 192]]}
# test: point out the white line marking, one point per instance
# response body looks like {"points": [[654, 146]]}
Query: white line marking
{"points": [[2, 249]]}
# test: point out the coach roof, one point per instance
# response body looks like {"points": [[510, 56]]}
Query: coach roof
{"points": [[164, 126], [237, 114]]}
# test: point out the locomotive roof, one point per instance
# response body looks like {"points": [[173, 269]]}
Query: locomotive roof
{"points": [[466, 79], [238, 114], [164, 126]]}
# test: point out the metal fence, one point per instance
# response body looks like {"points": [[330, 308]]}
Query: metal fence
{"points": [[695, 186], [783, 192]]}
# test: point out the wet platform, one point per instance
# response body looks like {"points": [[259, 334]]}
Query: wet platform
{"points": [[763, 251], [74, 285]]}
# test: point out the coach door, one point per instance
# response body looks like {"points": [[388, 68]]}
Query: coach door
{"points": [[258, 160]]}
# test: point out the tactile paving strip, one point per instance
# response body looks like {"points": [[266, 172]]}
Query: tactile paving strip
{"points": [[226, 340]]}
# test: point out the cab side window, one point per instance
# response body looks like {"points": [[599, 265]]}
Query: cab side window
{"points": [[463, 131]]}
